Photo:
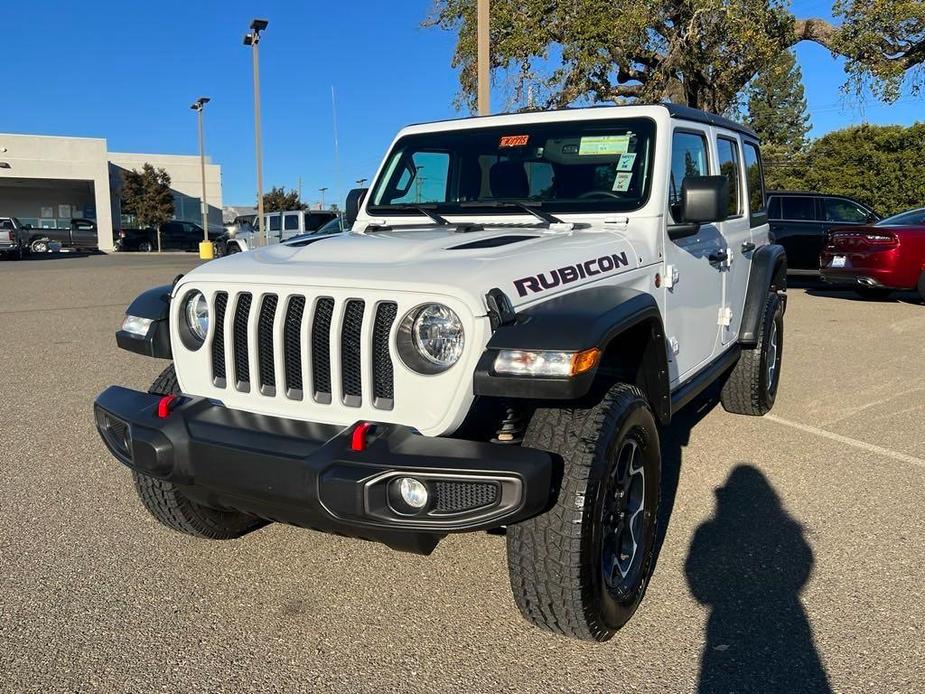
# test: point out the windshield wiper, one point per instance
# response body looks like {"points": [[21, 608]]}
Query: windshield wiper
{"points": [[426, 210], [532, 208]]}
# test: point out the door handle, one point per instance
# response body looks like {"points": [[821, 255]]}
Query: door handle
{"points": [[718, 257], [748, 247]]}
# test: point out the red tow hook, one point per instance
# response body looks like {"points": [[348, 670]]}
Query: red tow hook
{"points": [[358, 439], [165, 404]]}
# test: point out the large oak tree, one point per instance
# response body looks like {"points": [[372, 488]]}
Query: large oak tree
{"points": [[695, 52]]}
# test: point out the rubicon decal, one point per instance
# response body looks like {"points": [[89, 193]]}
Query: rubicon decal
{"points": [[570, 273]]}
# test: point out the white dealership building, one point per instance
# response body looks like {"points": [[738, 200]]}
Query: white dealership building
{"points": [[46, 181]]}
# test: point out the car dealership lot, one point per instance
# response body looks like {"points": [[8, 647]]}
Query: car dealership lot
{"points": [[804, 571]]}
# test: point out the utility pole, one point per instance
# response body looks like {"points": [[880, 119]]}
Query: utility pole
{"points": [[199, 106], [484, 84], [252, 39]]}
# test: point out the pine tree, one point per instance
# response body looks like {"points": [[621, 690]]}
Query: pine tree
{"points": [[282, 200], [148, 196], [776, 107]]}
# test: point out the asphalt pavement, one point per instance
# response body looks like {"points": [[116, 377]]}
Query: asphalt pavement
{"points": [[793, 558]]}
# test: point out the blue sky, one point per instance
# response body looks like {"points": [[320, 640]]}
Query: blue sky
{"points": [[128, 71]]}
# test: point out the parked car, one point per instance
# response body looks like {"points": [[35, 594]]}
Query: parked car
{"points": [[281, 226], [800, 221], [82, 233], [877, 259], [507, 370], [175, 235], [12, 241], [242, 236]]}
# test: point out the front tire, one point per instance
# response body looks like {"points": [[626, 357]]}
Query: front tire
{"points": [[751, 388], [145, 246], [581, 569], [39, 246], [169, 506]]}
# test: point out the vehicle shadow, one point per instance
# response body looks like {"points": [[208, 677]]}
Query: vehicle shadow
{"points": [[748, 564], [814, 286], [57, 255]]}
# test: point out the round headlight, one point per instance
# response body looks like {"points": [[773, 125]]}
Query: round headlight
{"points": [[431, 338], [196, 311]]}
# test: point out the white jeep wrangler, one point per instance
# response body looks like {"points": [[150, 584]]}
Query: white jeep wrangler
{"points": [[522, 302]]}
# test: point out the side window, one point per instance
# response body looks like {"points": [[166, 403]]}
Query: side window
{"points": [[755, 178], [774, 208], [292, 222], [729, 167], [688, 158], [275, 222], [799, 208], [841, 210], [7, 225]]}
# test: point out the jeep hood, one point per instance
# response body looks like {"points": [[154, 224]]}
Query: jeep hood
{"points": [[525, 263]]}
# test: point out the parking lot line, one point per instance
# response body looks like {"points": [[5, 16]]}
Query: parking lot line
{"points": [[879, 450]]}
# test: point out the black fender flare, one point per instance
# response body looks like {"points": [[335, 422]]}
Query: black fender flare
{"points": [[153, 304], [613, 319], [768, 274]]}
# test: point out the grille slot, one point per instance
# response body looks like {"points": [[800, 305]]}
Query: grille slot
{"points": [[352, 379], [452, 496], [292, 347], [242, 372], [383, 373], [218, 341], [321, 350], [265, 359]]}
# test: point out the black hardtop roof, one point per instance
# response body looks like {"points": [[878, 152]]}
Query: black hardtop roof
{"points": [[674, 110]]}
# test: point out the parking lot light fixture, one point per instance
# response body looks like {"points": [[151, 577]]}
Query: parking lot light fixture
{"points": [[252, 39], [199, 107]]}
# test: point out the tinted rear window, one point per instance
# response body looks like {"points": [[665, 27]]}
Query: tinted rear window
{"points": [[799, 208]]}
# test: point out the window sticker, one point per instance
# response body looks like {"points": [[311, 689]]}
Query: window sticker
{"points": [[626, 162], [621, 182], [514, 141], [604, 144]]}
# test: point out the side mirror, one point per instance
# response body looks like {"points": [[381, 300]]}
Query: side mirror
{"points": [[704, 199], [352, 205]]}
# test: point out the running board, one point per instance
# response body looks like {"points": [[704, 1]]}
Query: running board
{"points": [[697, 383]]}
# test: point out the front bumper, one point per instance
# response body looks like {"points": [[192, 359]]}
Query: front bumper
{"points": [[309, 474]]}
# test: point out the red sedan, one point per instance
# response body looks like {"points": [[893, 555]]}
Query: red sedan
{"points": [[877, 259]]}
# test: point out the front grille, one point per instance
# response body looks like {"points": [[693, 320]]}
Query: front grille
{"points": [[452, 496], [320, 334], [242, 371], [265, 359]]}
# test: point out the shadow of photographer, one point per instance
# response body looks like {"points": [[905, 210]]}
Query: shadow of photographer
{"points": [[748, 564]]}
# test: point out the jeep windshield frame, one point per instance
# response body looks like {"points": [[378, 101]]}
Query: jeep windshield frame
{"points": [[564, 167]]}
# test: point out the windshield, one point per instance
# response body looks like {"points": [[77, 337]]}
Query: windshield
{"points": [[912, 217], [585, 166]]}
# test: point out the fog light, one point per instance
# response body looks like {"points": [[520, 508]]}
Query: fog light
{"points": [[413, 493]]}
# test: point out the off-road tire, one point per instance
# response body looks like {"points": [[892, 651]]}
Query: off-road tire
{"points": [[167, 503], [873, 293], [555, 559], [749, 389]]}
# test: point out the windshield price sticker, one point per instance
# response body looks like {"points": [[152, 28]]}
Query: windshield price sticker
{"points": [[514, 141], [626, 162], [604, 144]]}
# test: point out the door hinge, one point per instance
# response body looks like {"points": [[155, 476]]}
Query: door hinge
{"points": [[671, 276], [725, 316], [674, 345]]}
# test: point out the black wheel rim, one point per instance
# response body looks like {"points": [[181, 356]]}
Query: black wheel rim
{"points": [[622, 515]]}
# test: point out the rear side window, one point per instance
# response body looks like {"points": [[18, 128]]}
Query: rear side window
{"points": [[275, 222], [292, 222], [755, 177], [841, 210], [729, 167], [688, 158], [802, 208]]}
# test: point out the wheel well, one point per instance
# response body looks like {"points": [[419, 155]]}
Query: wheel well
{"points": [[637, 355]]}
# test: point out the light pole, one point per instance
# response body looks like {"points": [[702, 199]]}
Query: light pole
{"points": [[322, 196], [361, 181], [199, 106], [252, 39], [482, 67]]}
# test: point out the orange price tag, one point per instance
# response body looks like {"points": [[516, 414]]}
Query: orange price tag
{"points": [[514, 141]]}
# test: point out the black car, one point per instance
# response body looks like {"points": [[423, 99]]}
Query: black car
{"points": [[800, 222], [175, 235]]}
